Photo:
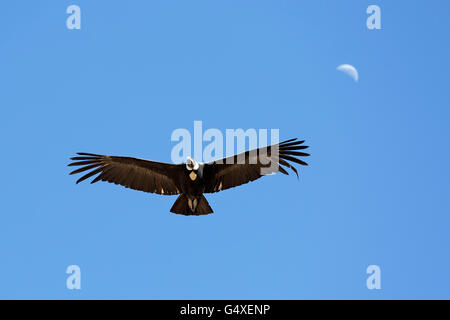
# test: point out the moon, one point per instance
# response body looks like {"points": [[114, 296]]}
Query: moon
{"points": [[349, 70]]}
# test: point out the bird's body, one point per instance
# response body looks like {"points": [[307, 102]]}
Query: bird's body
{"points": [[192, 179], [192, 183]]}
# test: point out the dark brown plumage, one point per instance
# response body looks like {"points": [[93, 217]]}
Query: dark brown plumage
{"points": [[190, 179]]}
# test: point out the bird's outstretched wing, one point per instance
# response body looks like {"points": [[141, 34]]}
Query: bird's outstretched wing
{"points": [[137, 174], [251, 165]]}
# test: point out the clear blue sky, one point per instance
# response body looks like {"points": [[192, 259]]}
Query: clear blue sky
{"points": [[376, 190]]}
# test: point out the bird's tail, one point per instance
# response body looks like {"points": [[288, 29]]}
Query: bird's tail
{"points": [[191, 205]]}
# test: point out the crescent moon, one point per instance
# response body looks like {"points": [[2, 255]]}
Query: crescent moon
{"points": [[349, 70]]}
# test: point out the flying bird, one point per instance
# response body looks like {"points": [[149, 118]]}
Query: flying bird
{"points": [[192, 179]]}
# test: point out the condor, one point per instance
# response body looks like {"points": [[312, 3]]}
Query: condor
{"points": [[192, 179]]}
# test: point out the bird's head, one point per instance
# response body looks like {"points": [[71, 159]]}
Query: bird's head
{"points": [[191, 164]]}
